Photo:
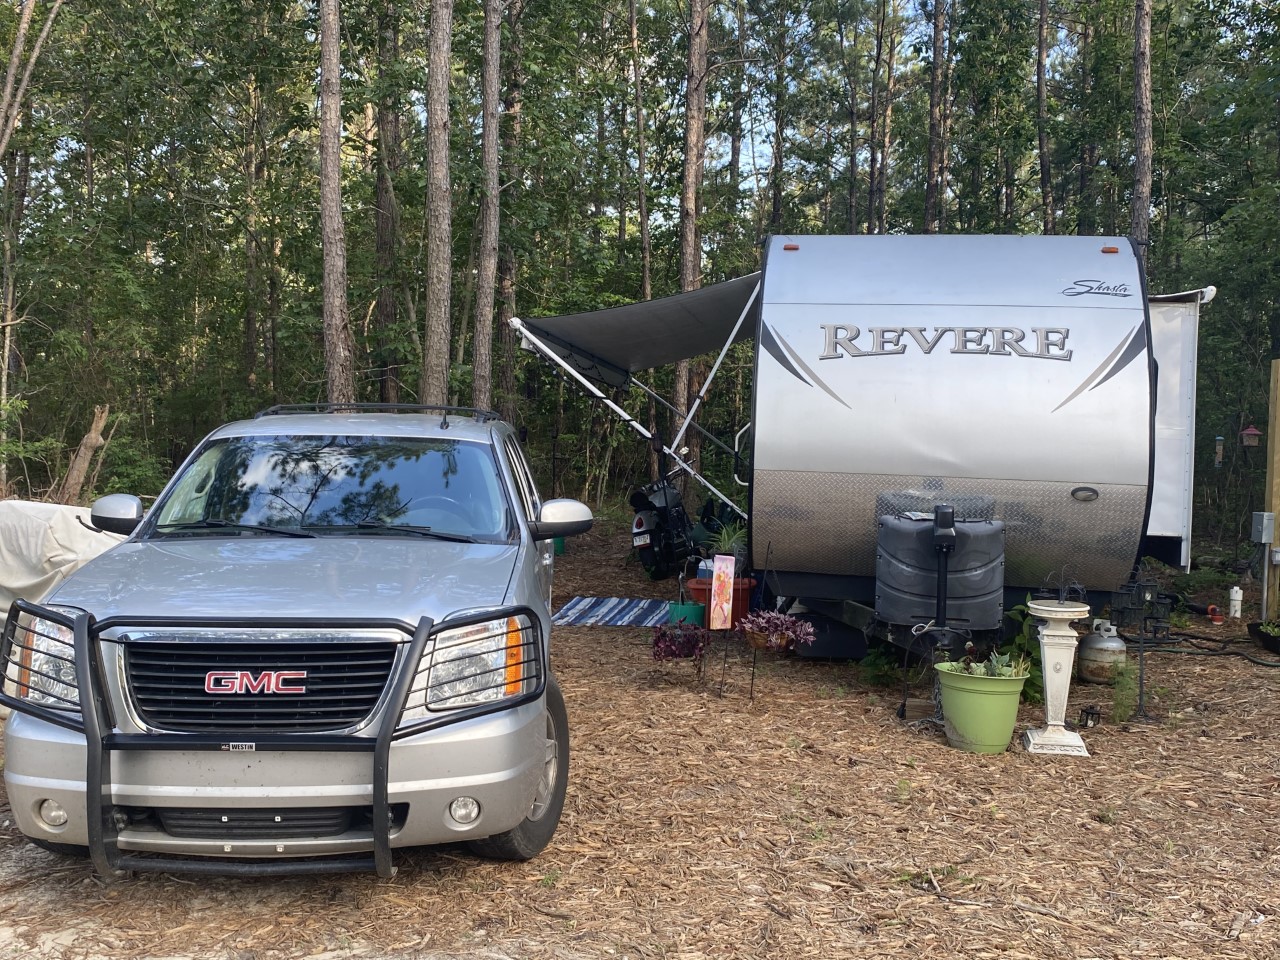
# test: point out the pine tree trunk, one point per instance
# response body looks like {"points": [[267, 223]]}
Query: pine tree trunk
{"points": [[435, 348], [386, 208], [252, 241], [642, 190], [1140, 213], [694, 146], [882, 191], [873, 137], [339, 345], [486, 270], [512, 110], [1047, 217], [933, 179]]}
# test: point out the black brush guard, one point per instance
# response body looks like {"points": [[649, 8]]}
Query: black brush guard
{"points": [[96, 721]]}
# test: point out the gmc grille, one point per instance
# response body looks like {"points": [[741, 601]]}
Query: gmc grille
{"points": [[344, 680]]}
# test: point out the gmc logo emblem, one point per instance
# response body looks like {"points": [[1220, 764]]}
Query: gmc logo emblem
{"points": [[244, 681]]}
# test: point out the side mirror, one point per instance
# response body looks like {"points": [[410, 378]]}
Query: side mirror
{"points": [[561, 518], [117, 513]]}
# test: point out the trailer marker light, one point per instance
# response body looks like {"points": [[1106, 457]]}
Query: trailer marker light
{"points": [[1085, 494], [1110, 249], [791, 246]]}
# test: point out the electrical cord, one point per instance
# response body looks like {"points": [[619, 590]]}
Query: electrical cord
{"points": [[1223, 651]]}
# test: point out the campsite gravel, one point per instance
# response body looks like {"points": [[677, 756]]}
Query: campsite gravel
{"points": [[805, 821]]}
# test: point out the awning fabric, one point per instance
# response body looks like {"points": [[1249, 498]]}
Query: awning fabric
{"points": [[610, 345]]}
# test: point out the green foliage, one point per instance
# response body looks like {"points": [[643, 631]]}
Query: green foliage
{"points": [[1124, 698], [880, 668], [167, 257], [728, 539], [1024, 644], [995, 665]]}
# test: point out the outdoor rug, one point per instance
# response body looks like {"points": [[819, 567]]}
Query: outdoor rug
{"points": [[611, 612]]}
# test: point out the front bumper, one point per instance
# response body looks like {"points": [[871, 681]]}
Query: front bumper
{"points": [[376, 789]]}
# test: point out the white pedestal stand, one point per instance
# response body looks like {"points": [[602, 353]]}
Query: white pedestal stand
{"points": [[1057, 654]]}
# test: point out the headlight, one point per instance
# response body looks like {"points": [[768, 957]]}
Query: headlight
{"points": [[45, 656], [472, 665]]}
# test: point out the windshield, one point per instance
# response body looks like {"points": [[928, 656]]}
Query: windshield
{"points": [[337, 484]]}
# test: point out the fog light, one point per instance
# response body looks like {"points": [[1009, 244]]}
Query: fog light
{"points": [[51, 812], [465, 809]]}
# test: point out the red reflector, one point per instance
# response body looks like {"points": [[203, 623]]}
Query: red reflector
{"points": [[791, 246], [1110, 249]]}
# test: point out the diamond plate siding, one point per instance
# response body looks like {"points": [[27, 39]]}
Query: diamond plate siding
{"points": [[826, 523]]}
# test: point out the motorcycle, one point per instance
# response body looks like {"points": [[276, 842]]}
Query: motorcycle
{"points": [[661, 531]]}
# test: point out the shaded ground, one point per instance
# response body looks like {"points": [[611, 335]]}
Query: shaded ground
{"points": [[804, 822]]}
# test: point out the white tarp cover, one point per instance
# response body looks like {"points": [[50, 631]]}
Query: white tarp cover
{"points": [[41, 544], [609, 345]]}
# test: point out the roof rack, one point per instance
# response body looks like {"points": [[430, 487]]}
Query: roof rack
{"points": [[286, 408]]}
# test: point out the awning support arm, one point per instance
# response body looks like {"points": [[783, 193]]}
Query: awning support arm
{"points": [[733, 335], [701, 429], [518, 325]]}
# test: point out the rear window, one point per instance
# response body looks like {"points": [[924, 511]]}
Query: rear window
{"points": [[330, 483]]}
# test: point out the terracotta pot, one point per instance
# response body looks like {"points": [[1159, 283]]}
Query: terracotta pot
{"points": [[700, 592]]}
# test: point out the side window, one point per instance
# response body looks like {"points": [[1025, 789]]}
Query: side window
{"points": [[520, 468], [190, 496]]}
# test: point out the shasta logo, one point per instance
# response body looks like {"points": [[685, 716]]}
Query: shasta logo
{"points": [[1097, 288]]}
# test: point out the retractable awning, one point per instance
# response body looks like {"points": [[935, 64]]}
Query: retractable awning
{"points": [[609, 345]]}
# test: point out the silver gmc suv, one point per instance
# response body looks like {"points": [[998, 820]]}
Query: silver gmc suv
{"points": [[327, 638]]}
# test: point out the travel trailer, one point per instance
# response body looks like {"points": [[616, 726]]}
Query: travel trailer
{"points": [[1030, 383]]}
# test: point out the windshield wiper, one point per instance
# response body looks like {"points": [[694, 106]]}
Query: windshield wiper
{"points": [[213, 523], [416, 531]]}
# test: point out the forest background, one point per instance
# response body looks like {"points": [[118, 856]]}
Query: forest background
{"points": [[211, 207]]}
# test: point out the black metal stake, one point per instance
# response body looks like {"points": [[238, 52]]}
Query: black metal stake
{"points": [[1158, 628]]}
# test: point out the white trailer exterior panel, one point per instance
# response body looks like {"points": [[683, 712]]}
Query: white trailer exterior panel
{"points": [[942, 368]]}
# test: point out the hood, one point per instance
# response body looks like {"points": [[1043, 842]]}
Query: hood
{"points": [[328, 577]]}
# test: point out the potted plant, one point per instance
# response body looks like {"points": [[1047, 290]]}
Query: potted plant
{"points": [[980, 700], [680, 641], [1267, 633], [775, 632], [730, 540]]}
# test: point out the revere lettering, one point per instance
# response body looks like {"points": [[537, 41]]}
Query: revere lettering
{"points": [[837, 335], [884, 338], [1007, 339], [1051, 343], [926, 344], [971, 340]]}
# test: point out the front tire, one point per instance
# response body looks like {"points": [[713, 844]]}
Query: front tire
{"points": [[654, 565], [62, 849], [531, 836]]}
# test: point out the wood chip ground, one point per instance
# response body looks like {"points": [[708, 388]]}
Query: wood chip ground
{"points": [[804, 822]]}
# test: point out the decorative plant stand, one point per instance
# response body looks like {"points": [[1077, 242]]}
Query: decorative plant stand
{"points": [[1057, 654]]}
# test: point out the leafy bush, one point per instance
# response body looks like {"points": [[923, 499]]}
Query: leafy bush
{"points": [[679, 641]]}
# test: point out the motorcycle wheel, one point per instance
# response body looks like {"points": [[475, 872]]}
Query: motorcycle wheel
{"points": [[654, 565]]}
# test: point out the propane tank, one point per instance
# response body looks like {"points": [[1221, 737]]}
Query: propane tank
{"points": [[1100, 653]]}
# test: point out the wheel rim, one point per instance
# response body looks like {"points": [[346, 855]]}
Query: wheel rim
{"points": [[550, 772]]}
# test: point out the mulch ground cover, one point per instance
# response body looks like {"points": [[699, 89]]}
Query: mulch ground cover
{"points": [[803, 821]]}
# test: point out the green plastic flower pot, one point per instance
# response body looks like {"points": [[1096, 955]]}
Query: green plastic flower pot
{"points": [[978, 712], [693, 614]]}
